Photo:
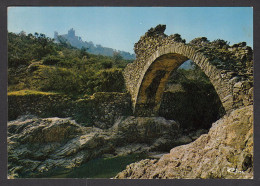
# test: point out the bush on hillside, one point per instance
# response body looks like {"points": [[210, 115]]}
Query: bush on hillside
{"points": [[51, 60], [110, 80]]}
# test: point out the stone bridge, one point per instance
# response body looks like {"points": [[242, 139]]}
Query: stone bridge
{"points": [[229, 68]]}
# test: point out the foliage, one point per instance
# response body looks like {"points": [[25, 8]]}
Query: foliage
{"points": [[110, 80], [59, 79], [37, 63], [29, 92], [199, 41], [177, 38], [220, 43], [51, 60], [24, 48]]}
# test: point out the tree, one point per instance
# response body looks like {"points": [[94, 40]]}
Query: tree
{"points": [[83, 52], [117, 58]]}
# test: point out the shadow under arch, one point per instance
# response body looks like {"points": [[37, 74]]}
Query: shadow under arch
{"points": [[190, 98], [153, 83]]}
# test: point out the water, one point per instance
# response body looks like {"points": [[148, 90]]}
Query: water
{"points": [[101, 167]]}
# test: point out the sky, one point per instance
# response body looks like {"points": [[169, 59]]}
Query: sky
{"points": [[120, 27]]}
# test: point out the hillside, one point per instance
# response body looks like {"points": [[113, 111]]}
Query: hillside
{"points": [[77, 42], [36, 62]]}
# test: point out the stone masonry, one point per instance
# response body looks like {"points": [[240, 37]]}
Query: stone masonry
{"points": [[229, 68]]}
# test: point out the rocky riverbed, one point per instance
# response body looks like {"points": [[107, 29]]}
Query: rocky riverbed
{"points": [[38, 146], [43, 147], [225, 152]]}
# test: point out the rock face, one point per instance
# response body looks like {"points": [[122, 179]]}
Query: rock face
{"points": [[39, 146], [146, 129], [225, 152]]}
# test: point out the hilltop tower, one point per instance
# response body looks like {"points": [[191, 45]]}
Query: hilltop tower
{"points": [[71, 33], [55, 35]]}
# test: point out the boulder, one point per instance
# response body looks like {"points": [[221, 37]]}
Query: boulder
{"points": [[145, 129], [32, 130]]}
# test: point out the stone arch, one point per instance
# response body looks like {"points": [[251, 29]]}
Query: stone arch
{"points": [[157, 70], [158, 55]]}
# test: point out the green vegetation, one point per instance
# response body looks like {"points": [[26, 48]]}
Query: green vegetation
{"points": [[36, 63], [29, 92]]}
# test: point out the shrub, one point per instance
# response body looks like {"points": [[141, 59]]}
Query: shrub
{"points": [[51, 60], [16, 61], [59, 79], [110, 80], [106, 64]]}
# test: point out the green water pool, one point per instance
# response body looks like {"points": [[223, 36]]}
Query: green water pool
{"points": [[100, 167]]}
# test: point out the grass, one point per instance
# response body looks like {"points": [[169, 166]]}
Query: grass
{"points": [[29, 92]]}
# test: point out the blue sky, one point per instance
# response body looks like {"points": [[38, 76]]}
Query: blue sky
{"points": [[121, 27]]}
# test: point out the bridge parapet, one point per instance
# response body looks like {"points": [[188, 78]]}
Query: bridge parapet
{"points": [[229, 68]]}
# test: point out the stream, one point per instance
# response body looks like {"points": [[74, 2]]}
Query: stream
{"points": [[98, 168]]}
